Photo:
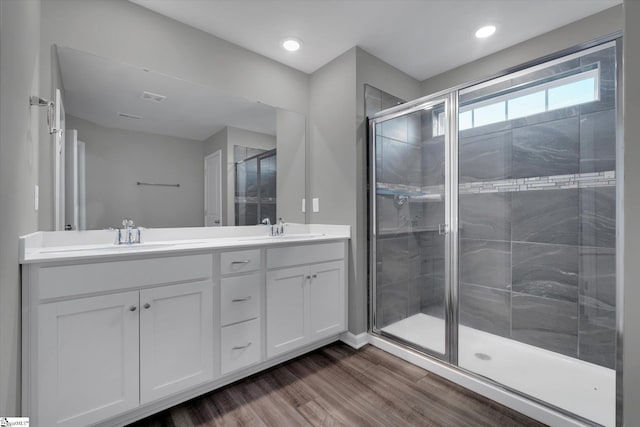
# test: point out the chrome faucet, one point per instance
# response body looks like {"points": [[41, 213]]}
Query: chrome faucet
{"points": [[125, 236], [280, 230], [266, 221]]}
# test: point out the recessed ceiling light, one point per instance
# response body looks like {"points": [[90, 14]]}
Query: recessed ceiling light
{"points": [[291, 44], [485, 31]]}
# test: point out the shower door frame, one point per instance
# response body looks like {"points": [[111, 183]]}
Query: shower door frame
{"points": [[451, 264], [449, 100]]}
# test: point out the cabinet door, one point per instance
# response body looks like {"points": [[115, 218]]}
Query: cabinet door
{"points": [[87, 359], [327, 311], [286, 308], [176, 338]]}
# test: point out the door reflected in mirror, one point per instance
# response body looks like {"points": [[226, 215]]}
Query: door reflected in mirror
{"points": [[171, 153]]}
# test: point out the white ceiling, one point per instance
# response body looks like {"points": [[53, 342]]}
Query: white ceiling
{"points": [[96, 89], [420, 37]]}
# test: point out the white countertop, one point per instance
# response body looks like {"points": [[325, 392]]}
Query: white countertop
{"points": [[53, 246]]}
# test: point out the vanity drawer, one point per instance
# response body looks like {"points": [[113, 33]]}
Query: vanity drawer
{"points": [[240, 345], [239, 297], [86, 279], [304, 254], [239, 261]]}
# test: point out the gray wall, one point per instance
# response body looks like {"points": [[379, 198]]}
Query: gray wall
{"points": [[338, 155], [117, 159], [19, 144], [124, 32], [598, 25], [291, 187], [332, 153], [631, 363]]}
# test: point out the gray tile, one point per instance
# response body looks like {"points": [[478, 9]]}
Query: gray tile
{"points": [[485, 216], [546, 149], [372, 100], [396, 129], [391, 217], [392, 303], [485, 157], [598, 141], [545, 323], [486, 309], [598, 217], [486, 263], [597, 339], [393, 253], [400, 163], [606, 61], [432, 296], [545, 216], [597, 276], [545, 270], [433, 167], [389, 100]]}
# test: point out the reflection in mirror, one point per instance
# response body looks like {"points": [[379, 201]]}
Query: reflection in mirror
{"points": [[170, 153]]}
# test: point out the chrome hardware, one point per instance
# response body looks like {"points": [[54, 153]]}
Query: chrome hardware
{"points": [[240, 347], [241, 299], [132, 308], [147, 305], [125, 236], [280, 229], [443, 229], [246, 261]]}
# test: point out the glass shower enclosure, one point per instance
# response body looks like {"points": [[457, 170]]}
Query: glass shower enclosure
{"points": [[255, 188], [494, 230]]}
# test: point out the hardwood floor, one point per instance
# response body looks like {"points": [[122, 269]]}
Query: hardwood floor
{"points": [[339, 386]]}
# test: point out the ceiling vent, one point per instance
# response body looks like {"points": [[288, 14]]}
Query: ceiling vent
{"points": [[154, 97], [129, 116]]}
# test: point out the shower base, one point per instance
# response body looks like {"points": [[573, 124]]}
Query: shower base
{"points": [[582, 388]]}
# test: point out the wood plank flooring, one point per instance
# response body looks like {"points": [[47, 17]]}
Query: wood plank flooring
{"points": [[339, 386]]}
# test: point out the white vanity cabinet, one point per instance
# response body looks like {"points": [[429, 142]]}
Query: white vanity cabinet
{"points": [[99, 356], [107, 340], [305, 295]]}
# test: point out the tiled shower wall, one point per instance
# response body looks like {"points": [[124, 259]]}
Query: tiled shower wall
{"points": [[537, 224]]}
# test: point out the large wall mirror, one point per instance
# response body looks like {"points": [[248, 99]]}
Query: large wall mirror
{"points": [[170, 153]]}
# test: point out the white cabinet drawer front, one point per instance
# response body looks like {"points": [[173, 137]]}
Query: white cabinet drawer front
{"points": [[239, 298], [304, 254], [240, 261], [88, 359], [240, 345], [83, 279]]}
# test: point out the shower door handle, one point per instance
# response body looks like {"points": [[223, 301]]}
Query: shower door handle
{"points": [[443, 229]]}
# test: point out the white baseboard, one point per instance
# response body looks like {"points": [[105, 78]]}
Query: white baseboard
{"points": [[355, 341]]}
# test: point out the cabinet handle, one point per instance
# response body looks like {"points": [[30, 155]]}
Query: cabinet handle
{"points": [[132, 308], [240, 347], [241, 299], [147, 305], [314, 276], [308, 277], [246, 261]]}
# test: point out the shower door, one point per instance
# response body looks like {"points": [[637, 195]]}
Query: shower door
{"points": [[410, 234], [495, 230]]}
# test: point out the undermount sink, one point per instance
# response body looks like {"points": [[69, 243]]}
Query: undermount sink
{"points": [[105, 248]]}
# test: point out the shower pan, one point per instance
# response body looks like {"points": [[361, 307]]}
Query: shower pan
{"points": [[494, 229]]}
